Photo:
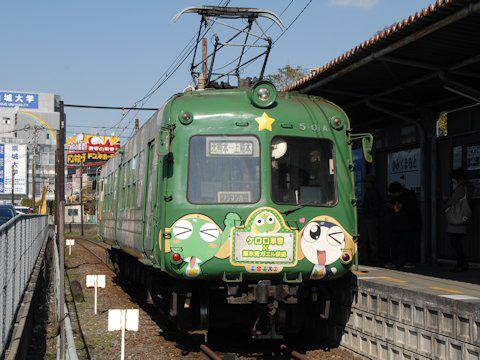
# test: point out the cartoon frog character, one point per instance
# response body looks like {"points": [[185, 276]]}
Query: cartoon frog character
{"points": [[197, 238], [265, 222]]}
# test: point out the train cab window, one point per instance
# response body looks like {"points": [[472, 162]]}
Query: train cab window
{"points": [[223, 169], [303, 171]]}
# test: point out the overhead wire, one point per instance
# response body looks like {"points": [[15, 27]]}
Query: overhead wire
{"points": [[251, 61], [293, 21], [256, 41], [175, 65]]}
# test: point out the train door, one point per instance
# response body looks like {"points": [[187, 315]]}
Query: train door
{"points": [[149, 209]]}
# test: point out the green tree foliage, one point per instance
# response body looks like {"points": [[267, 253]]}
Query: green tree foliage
{"points": [[287, 75]]}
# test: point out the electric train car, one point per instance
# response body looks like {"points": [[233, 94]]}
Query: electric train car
{"points": [[235, 206]]}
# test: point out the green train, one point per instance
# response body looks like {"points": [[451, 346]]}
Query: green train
{"points": [[234, 206]]}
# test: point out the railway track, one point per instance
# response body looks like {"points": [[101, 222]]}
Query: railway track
{"points": [[286, 352], [104, 261], [206, 349]]}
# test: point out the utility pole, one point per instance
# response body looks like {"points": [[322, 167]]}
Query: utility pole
{"points": [[204, 58], [33, 182], [60, 220], [202, 78], [13, 184], [34, 154], [81, 200]]}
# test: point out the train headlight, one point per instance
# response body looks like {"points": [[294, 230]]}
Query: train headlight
{"points": [[263, 94], [337, 123], [176, 258], [185, 117]]}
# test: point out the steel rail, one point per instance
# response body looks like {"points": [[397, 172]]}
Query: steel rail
{"points": [[103, 262], [294, 354], [209, 352]]}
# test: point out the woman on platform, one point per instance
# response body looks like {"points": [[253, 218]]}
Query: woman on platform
{"points": [[458, 218]]}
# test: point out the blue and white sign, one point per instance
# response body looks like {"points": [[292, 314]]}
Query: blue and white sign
{"points": [[16, 99], [13, 161]]}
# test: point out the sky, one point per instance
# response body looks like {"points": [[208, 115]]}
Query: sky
{"points": [[110, 52]]}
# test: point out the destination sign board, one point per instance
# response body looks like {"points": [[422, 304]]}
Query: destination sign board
{"points": [[230, 148]]}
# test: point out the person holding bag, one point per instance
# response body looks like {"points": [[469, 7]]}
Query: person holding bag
{"points": [[457, 214]]}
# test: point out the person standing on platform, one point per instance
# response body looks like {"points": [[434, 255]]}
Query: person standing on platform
{"points": [[458, 214], [370, 220], [406, 223]]}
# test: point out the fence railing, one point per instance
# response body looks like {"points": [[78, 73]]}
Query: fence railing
{"points": [[62, 313], [21, 240]]}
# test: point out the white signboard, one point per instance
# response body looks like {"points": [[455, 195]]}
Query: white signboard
{"points": [[95, 281], [13, 161], [121, 320], [404, 167], [473, 157], [70, 243]]}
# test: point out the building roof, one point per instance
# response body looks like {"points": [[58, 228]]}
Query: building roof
{"points": [[430, 59]]}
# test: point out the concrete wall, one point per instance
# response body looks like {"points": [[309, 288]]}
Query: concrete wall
{"points": [[390, 322]]}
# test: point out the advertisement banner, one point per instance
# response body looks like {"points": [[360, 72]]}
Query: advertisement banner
{"points": [[20, 100], [87, 158], [13, 161], [90, 150]]}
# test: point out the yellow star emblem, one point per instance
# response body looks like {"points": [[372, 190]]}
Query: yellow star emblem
{"points": [[264, 122]]}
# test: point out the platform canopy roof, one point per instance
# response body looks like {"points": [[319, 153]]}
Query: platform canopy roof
{"points": [[429, 61]]}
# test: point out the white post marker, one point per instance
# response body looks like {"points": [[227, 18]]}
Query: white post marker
{"points": [[123, 319], [95, 281], [70, 243]]}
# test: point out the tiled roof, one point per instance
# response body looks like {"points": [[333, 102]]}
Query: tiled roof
{"points": [[414, 23]]}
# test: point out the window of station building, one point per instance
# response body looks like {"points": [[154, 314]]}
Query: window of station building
{"points": [[303, 171], [223, 169], [6, 121]]}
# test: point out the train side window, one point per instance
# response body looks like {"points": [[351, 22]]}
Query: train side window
{"points": [[303, 171], [223, 170]]}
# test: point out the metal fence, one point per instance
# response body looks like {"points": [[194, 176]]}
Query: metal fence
{"points": [[21, 240], [63, 314]]}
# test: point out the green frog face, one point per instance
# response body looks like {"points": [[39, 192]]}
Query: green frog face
{"points": [[196, 238], [265, 222]]}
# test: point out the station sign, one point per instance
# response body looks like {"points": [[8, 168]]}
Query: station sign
{"points": [[13, 161], [91, 150], [18, 99], [404, 167]]}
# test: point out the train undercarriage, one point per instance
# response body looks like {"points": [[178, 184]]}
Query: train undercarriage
{"points": [[262, 310]]}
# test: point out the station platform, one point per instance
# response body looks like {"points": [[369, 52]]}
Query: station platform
{"points": [[421, 313], [433, 280]]}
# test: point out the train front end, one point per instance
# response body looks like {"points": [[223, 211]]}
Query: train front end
{"points": [[258, 208]]}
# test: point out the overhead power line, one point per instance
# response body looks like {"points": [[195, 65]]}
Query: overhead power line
{"points": [[109, 107], [293, 21], [175, 65]]}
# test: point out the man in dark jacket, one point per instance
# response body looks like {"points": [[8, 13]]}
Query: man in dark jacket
{"points": [[370, 219], [406, 223]]}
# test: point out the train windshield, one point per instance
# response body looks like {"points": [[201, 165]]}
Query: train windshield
{"points": [[223, 169], [303, 171]]}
